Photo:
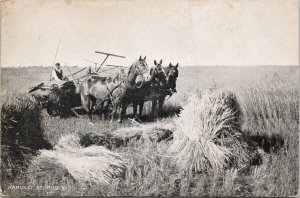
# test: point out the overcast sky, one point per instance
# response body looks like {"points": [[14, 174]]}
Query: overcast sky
{"points": [[195, 32]]}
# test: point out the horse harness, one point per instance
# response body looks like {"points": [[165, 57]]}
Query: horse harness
{"points": [[110, 91], [108, 94]]}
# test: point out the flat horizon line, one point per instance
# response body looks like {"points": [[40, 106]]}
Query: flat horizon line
{"points": [[179, 66]]}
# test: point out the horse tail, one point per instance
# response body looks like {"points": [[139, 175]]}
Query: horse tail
{"points": [[85, 102], [85, 95]]}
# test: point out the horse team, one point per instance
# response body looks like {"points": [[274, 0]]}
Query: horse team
{"points": [[139, 85]]}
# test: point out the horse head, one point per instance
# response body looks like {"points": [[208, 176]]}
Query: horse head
{"points": [[138, 71], [157, 74], [172, 75]]}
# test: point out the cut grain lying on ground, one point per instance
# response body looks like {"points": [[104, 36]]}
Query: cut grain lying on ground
{"points": [[154, 132], [93, 164]]}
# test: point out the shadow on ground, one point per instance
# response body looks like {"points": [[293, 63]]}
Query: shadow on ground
{"points": [[269, 143]]}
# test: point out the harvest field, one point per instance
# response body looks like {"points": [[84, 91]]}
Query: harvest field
{"points": [[269, 118]]}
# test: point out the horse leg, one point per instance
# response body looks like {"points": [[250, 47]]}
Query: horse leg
{"points": [[113, 112], [101, 113], [141, 106], [115, 107], [90, 112], [85, 103], [154, 102], [122, 113], [109, 108], [160, 106], [92, 102], [105, 109], [134, 109]]}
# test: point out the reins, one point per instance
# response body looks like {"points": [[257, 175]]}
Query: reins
{"points": [[141, 74], [108, 94]]}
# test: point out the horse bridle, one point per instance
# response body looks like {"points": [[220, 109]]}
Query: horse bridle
{"points": [[140, 73], [171, 71], [167, 76]]}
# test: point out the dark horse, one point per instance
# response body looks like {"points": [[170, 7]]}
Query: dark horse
{"points": [[129, 90], [119, 90], [167, 89], [163, 83]]}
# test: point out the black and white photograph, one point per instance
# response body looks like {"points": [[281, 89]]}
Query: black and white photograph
{"points": [[157, 98]]}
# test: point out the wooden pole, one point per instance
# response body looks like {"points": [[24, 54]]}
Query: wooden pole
{"points": [[54, 59]]}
